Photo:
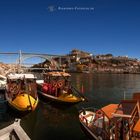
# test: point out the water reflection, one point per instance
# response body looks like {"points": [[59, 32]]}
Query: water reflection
{"points": [[50, 121], [102, 89], [53, 122]]}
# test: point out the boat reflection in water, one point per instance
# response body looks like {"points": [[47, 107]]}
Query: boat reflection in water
{"points": [[114, 121], [50, 121], [53, 122]]}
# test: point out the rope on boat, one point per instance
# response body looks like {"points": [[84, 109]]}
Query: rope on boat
{"points": [[79, 92]]}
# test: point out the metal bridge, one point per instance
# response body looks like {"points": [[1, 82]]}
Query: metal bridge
{"points": [[21, 57]]}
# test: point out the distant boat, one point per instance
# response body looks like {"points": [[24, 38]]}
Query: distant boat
{"points": [[85, 71], [14, 132], [2, 82], [21, 92], [114, 121], [56, 87]]}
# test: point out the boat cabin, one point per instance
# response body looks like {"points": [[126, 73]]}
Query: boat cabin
{"points": [[126, 117], [55, 82], [118, 121], [114, 121], [21, 83]]}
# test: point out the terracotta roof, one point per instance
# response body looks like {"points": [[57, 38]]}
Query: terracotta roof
{"points": [[109, 110], [137, 127]]}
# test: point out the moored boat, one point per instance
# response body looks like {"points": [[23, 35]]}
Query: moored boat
{"points": [[114, 121], [56, 87], [21, 92], [85, 71], [14, 132]]}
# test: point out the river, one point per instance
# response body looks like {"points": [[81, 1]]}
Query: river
{"points": [[51, 122]]}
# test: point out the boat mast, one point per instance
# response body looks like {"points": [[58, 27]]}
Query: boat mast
{"points": [[124, 95], [20, 60]]}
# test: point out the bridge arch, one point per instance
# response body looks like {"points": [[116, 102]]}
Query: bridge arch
{"points": [[50, 58]]}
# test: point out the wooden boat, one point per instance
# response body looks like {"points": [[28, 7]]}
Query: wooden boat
{"points": [[56, 87], [86, 71], [21, 92], [2, 82], [114, 121], [14, 132]]}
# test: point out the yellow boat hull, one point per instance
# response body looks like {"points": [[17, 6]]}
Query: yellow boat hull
{"points": [[69, 98], [24, 102], [64, 98]]}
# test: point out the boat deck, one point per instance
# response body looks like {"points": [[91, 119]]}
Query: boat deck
{"points": [[13, 132], [97, 131]]}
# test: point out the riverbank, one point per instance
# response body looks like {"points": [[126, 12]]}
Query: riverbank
{"points": [[103, 72], [8, 68], [80, 61]]}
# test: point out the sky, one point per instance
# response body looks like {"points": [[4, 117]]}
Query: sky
{"points": [[58, 26]]}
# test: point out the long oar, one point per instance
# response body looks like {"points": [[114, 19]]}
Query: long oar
{"points": [[79, 92], [74, 88], [30, 101]]}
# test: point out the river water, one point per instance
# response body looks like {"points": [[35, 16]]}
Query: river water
{"points": [[52, 121]]}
